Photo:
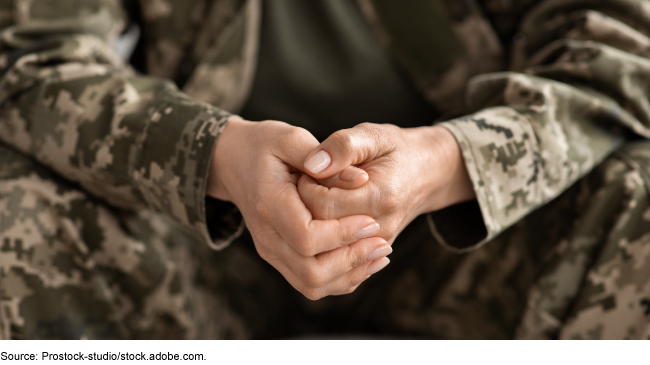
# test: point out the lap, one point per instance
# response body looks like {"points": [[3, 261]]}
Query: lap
{"points": [[578, 267], [73, 267], [597, 284]]}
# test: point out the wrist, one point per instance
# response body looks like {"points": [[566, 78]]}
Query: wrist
{"points": [[450, 183], [224, 159]]}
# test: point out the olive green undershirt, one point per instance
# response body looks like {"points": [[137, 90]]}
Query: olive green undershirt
{"points": [[320, 67]]}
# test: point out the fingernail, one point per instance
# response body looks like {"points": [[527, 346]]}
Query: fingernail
{"points": [[368, 231], [318, 162], [377, 265], [379, 252]]}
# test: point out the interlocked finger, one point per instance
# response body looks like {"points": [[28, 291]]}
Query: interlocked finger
{"points": [[317, 271], [334, 203]]}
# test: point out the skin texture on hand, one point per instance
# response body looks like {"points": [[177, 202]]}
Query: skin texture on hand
{"points": [[411, 171], [256, 166]]}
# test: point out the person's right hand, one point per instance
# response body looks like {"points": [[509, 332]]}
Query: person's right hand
{"points": [[256, 166]]}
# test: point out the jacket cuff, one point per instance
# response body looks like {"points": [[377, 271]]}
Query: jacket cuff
{"points": [[459, 228], [503, 162], [176, 149], [224, 222]]}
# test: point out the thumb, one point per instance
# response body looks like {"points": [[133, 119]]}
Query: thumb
{"points": [[295, 145], [343, 148]]}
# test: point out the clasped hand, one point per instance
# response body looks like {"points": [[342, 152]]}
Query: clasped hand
{"points": [[324, 215]]}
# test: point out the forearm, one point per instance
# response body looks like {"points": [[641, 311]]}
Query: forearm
{"points": [[535, 133], [447, 177], [138, 142]]}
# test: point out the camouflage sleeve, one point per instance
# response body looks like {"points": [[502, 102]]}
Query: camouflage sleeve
{"points": [[68, 102], [582, 91]]}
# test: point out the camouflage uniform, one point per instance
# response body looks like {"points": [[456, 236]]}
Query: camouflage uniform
{"points": [[103, 228]]}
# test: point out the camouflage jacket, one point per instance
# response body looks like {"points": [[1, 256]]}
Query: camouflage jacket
{"points": [[548, 88]]}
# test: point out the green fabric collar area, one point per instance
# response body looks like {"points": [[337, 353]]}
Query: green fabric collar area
{"points": [[321, 67]]}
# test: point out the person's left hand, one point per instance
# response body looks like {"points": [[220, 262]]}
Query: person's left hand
{"points": [[411, 171]]}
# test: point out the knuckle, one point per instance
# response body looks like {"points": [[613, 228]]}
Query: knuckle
{"points": [[344, 140], [313, 278], [313, 294], [265, 246], [391, 228], [356, 257], [284, 131], [391, 201], [357, 278], [376, 133], [296, 134], [323, 209], [306, 249], [351, 290], [263, 252], [365, 125], [273, 126], [304, 244]]}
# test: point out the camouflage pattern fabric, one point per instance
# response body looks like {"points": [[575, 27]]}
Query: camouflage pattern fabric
{"points": [[131, 140], [73, 267], [535, 133], [595, 285], [103, 173]]}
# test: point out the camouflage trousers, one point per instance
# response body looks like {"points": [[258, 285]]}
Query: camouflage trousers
{"points": [[72, 266]]}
